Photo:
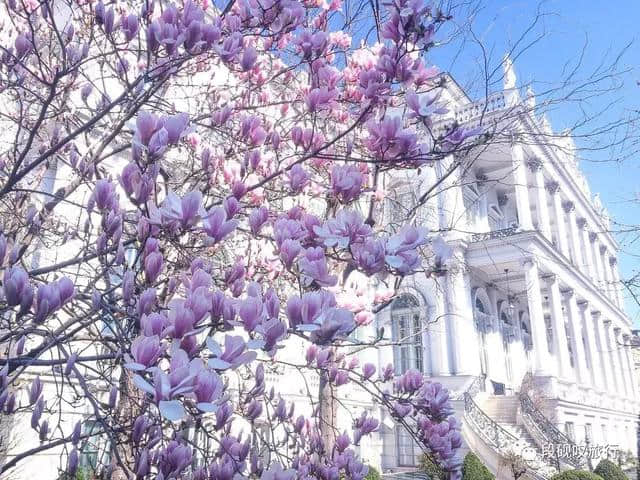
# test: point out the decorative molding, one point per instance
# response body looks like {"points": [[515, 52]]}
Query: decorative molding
{"points": [[569, 206], [553, 187], [534, 164]]}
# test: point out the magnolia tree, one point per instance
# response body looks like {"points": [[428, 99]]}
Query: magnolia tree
{"points": [[187, 190]]}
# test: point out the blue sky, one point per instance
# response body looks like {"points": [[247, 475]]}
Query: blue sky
{"points": [[597, 32]]}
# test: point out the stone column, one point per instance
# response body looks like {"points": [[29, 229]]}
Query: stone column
{"points": [[595, 253], [570, 208], [521, 188], [612, 358], [606, 281], [536, 317], [576, 336], [630, 367], [586, 245], [544, 224], [594, 357], [464, 338], [603, 347], [450, 199], [617, 285], [558, 212], [620, 363], [559, 335], [438, 334]]}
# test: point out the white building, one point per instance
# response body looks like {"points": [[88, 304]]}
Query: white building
{"points": [[527, 326]]}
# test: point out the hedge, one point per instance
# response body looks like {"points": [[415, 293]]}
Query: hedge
{"points": [[610, 471], [474, 469], [576, 475]]}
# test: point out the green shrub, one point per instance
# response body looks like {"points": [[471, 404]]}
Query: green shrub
{"points": [[432, 469], [473, 469], [610, 471], [373, 474], [576, 475]]}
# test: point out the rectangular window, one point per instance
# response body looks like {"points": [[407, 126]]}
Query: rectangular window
{"points": [[408, 328], [569, 430], [588, 433], [407, 448]]}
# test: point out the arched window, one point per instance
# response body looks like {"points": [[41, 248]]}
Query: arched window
{"points": [[407, 327], [480, 306]]}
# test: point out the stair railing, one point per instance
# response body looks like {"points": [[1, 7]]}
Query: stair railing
{"points": [[485, 426], [547, 435]]}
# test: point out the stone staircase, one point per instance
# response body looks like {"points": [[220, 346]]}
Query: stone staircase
{"points": [[503, 410]]}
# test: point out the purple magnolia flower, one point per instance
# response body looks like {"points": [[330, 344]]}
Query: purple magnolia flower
{"points": [[128, 286], [145, 352], [184, 211], [273, 331], [146, 125], [17, 289], [153, 324], [314, 268], [364, 426], [208, 387], [231, 206], [346, 182], [305, 310], [368, 369], [389, 141], [276, 472], [347, 228], [298, 178], [334, 323], [158, 143], [249, 57], [146, 302], [319, 98], [104, 195], [181, 320], [251, 313], [235, 353], [176, 126], [216, 225], [289, 251], [401, 253], [424, 105], [23, 45], [369, 256], [130, 26], [409, 382], [254, 410], [153, 265], [51, 297]]}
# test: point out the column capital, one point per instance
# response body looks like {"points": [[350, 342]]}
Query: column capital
{"points": [[550, 278], [503, 199], [553, 187], [534, 164], [593, 236], [603, 249], [583, 305], [529, 262], [568, 293], [582, 223], [596, 314], [569, 206], [613, 261]]}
